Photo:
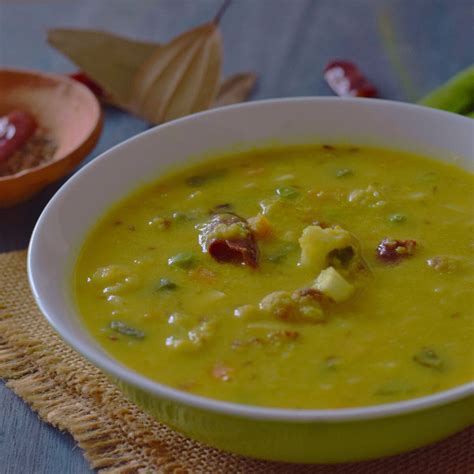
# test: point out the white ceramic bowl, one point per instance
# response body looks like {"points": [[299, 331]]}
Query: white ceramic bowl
{"points": [[281, 434]]}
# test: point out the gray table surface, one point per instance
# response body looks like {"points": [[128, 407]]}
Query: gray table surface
{"points": [[406, 47]]}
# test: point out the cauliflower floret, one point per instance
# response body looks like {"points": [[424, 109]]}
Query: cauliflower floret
{"points": [[114, 279], [309, 304], [110, 274], [298, 306], [317, 242], [188, 333], [279, 304], [333, 285]]}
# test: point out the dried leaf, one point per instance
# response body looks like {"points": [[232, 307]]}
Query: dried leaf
{"points": [[181, 78], [110, 60], [156, 82], [235, 89]]}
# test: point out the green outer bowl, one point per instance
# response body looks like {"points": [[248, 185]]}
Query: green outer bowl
{"points": [[338, 435], [308, 441]]}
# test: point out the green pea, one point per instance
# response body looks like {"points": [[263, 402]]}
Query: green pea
{"points": [[182, 260], [397, 218], [191, 215], [344, 173], [287, 192]]}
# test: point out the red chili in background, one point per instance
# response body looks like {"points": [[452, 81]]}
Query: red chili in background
{"points": [[346, 80], [83, 78], [15, 129]]}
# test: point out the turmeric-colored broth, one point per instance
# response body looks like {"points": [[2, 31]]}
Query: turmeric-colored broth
{"points": [[322, 319]]}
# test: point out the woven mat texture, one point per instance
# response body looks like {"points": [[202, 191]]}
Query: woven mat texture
{"points": [[116, 436]]}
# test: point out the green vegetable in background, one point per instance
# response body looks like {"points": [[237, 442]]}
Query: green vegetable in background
{"points": [[455, 95]]}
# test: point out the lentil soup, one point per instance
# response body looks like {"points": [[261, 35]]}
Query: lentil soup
{"points": [[304, 277]]}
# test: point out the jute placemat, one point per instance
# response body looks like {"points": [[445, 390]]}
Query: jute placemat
{"points": [[118, 437]]}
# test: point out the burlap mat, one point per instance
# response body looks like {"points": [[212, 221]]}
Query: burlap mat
{"points": [[115, 435]]}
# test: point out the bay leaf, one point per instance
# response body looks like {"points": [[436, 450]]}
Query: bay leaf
{"points": [[157, 82], [109, 59], [180, 78], [236, 88]]}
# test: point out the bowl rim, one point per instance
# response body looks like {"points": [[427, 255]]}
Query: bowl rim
{"points": [[96, 124], [119, 371]]}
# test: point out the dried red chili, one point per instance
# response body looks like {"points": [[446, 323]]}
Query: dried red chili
{"points": [[391, 251], [15, 129], [346, 80], [239, 249]]}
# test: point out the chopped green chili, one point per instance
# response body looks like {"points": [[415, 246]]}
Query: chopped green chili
{"points": [[397, 218], [122, 328], [166, 284], [179, 216], [182, 260], [287, 192], [427, 357], [282, 252]]}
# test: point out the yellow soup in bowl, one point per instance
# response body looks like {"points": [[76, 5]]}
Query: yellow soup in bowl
{"points": [[322, 276]]}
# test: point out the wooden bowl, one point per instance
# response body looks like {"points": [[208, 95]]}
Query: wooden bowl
{"points": [[69, 112]]}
